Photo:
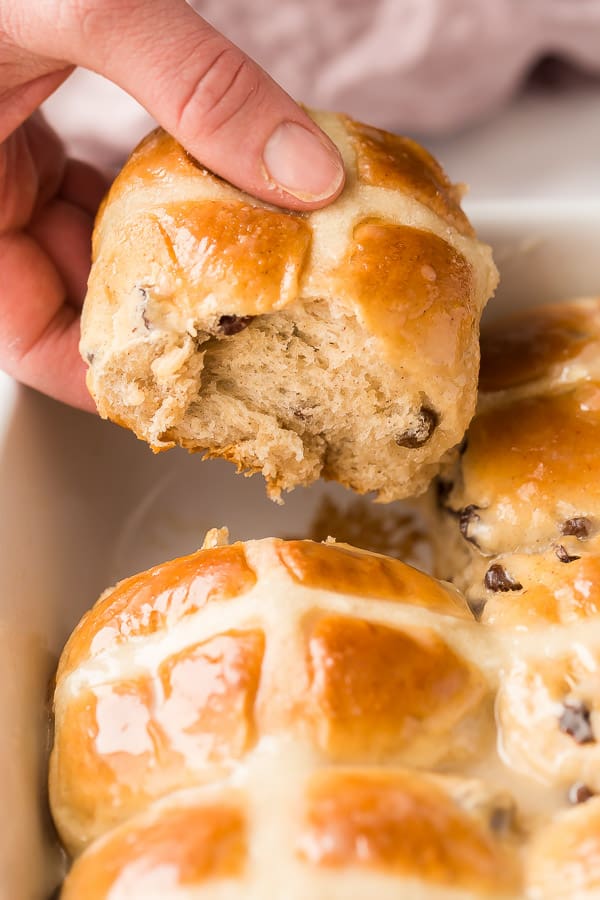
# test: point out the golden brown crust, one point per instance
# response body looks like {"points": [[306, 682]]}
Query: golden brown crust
{"points": [[209, 691], [227, 237], [400, 822], [104, 759], [194, 844], [565, 595], [391, 161], [125, 743], [159, 598], [527, 346], [158, 156], [232, 257], [413, 285], [524, 496], [377, 691], [344, 569], [151, 601]]}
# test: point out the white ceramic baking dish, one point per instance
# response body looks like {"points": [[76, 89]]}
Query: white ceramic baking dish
{"points": [[83, 503]]}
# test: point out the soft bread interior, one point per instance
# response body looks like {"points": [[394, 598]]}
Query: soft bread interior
{"points": [[298, 394]]}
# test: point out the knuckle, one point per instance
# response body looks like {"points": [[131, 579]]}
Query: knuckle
{"points": [[45, 29], [218, 93], [93, 19], [76, 15]]}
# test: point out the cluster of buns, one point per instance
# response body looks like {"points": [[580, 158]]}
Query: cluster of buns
{"points": [[290, 719], [340, 343], [520, 510], [264, 720], [294, 719]]}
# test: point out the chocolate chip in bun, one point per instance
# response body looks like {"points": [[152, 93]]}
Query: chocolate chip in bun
{"points": [[520, 505]]}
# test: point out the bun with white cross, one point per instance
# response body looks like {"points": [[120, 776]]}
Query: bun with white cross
{"points": [[340, 343]]}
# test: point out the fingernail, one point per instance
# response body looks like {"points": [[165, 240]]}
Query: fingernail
{"points": [[300, 163]]}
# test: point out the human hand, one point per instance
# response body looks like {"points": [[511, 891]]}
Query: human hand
{"points": [[218, 103]]}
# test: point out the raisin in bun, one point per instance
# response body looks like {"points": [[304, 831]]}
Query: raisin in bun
{"points": [[521, 504], [548, 708], [340, 343], [280, 719]]}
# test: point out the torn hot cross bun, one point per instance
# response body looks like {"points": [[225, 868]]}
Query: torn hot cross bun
{"points": [[340, 343]]}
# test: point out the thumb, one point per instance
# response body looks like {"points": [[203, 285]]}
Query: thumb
{"points": [[224, 109]]}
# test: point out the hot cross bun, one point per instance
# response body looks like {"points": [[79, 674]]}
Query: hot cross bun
{"points": [[340, 343], [521, 504]]}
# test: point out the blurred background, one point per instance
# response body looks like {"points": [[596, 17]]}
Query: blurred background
{"points": [[506, 94]]}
